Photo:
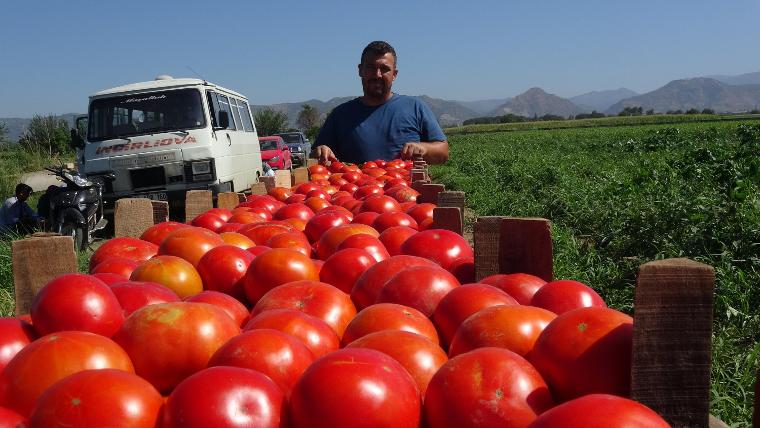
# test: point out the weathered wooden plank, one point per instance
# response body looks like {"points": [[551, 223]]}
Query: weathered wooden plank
{"points": [[672, 336], [525, 246], [227, 200], [132, 216], [429, 193], [37, 260], [486, 243], [197, 202], [449, 218]]}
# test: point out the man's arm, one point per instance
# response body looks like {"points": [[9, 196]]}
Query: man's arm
{"points": [[433, 152]]}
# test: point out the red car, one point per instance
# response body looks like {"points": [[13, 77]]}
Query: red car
{"points": [[275, 152]]}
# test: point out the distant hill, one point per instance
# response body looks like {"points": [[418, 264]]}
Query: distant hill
{"points": [[536, 102], [17, 126], [601, 100], [742, 79], [483, 107], [698, 93], [292, 109]]}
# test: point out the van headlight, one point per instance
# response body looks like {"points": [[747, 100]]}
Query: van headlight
{"points": [[201, 167]]}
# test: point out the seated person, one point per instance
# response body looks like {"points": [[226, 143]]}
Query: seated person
{"points": [[16, 215]]}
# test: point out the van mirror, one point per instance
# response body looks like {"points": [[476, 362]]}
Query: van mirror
{"points": [[76, 142], [224, 120]]}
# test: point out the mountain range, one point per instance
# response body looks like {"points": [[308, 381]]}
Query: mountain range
{"points": [[723, 94]]}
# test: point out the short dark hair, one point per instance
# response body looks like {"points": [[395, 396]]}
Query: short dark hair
{"points": [[23, 188], [378, 48]]}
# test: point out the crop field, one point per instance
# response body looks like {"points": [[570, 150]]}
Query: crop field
{"points": [[621, 196]]}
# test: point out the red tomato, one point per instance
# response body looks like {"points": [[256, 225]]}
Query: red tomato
{"points": [[350, 188], [367, 243], [565, 295], [403, 194], [379, 204], [237, 239], [276, 267], [189, 243], [53, 357], [312, 297], [172, 272], [464, 269], [366, 389], [366, 217], [600, 411], [488, 387], [259, 249], [316, 334], [15, 334], [278, 355], [316, 203], [419, 356], [99, 398], [76, 302], [389, 316], [156, 233], [305, 188], [463, 301], [394, 237], [521, 286], [420, 212], [261, 232], [330, 240], [318, 193], [586, 351], [387, 220], [343, 268], [230, 305], [209, 221], [229, 397], [368, 190], [222, 213], [296, 241], [133, 295], [323, 221], [441, 246], [514, 327], [294, 210], [11, 419], [244, 218], [420, 287], [110, 278], [181, 337], [118, 265], [367, 287], [278, 193], [129, 248], [223, 268]]}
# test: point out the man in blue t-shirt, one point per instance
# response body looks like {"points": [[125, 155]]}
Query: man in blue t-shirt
{"points": [[381, 124], [15, 214]]}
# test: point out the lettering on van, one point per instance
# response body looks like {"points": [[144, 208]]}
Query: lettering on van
{"points": [[128, 147], [137, 100]]}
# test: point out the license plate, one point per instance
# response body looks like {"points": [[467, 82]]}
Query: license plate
{"points": [[155, 196]]}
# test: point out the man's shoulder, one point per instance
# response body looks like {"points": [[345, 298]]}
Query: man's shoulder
{"points": [[348, 105]]}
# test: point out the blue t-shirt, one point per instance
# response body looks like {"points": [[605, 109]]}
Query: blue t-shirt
{"points": [[358, 133]]}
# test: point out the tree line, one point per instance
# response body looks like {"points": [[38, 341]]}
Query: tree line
{"points": [[628, 111], [270, 121]]}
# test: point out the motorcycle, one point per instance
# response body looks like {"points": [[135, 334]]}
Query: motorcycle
{"points": [[76, 209]]}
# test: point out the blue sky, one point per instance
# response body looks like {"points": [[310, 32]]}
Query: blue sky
{"points": [[54, 54]]}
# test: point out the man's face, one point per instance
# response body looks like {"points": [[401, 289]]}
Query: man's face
{"points": [[22, 196], [378, 74]]}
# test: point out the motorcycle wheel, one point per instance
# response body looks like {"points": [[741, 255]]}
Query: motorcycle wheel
{"points": [[69, 228]]}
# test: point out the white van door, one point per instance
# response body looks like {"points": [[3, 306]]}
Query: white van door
{"points": [[237, 152]]}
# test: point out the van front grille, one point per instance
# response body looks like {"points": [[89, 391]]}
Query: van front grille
{"points": [[148, 177]]}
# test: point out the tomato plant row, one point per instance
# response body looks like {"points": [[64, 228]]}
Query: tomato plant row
{"points": [[332, 304]]}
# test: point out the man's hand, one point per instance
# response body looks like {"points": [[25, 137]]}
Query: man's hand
{"points": [[324, 154], [412, 150], [433, 152]]}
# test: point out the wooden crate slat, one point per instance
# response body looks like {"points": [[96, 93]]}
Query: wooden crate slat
{"points": [[160, 211], [418, 175], [197, 202], [132, 216], [525, 246], [449, 218], [300, 175], [259, 188], [486, 242], [672, 336], [449, 198], [227, 200], [36, 261], [429, 193], [282, 179], [268, 182]]}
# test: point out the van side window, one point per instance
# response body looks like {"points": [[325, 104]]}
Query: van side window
{"points": [[246, 115], [213, 107], [224, 105], [234, 107]]}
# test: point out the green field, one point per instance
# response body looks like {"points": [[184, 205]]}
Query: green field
{"points": [[621, 196]]}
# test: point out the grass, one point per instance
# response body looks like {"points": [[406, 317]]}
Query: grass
{"points": [[621, 196], [612, 121]]}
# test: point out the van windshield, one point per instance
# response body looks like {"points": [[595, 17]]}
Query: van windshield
{"points": [[148, 113]]}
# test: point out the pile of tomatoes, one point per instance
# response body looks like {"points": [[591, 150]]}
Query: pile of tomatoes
{"points": [[331, 304]]}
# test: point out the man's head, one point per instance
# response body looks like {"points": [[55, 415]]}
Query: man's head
{"points": [[377, 71], [23, 191]]}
